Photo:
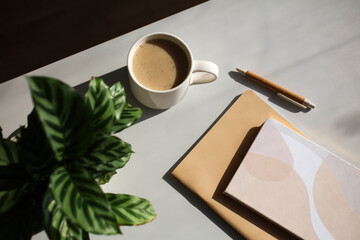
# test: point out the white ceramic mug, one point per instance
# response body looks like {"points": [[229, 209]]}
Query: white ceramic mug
{"points": [[199, 72]]}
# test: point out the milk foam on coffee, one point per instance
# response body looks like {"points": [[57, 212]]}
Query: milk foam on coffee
{"points": [[160, 64]]}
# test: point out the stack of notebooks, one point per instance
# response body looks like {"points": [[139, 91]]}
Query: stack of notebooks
{"points": [[268, 181]]}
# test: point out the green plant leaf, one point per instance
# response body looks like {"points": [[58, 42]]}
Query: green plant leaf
{"points": [[82, 200], [111, 166], [1, 132], [131, 210], [107, 153], [118, 92], [104, 178], [35, 150], [98, 97], [57, 225], [125, 114], [129, 116], [9, 198], [8, 153], [12, 173], [63, 115]]}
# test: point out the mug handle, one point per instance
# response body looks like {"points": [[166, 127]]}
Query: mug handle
{"points": [[204, 72]]}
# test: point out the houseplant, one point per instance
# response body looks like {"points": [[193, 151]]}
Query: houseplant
{"points": [[51, 171]]}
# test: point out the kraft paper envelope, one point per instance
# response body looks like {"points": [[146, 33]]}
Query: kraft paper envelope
{"points": [[210, 165]]}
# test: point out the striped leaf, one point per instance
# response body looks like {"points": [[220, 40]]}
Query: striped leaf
{"points": [[12, 173], [63, 115], [82, 200], [8, 153], [36, 151], [118, 92], [98, 97], [57, 225], [111, 166], [128, 116], [107, 153], [104, 177], [9, 198], [131, 210]]}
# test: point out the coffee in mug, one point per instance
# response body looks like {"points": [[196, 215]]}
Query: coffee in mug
{"points": [[161, 69], [160, 64]]}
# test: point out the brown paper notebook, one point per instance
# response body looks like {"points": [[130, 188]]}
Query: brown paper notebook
{"points": [[210, 165]]}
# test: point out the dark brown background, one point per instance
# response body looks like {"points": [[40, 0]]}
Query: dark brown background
{"points": [[35, 33]]}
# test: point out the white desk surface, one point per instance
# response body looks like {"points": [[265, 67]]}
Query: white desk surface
{"points": [[310, 47]]}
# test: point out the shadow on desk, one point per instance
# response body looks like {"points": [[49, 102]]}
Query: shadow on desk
{"points": [[271, 95], [121, 75], [201, 206]]}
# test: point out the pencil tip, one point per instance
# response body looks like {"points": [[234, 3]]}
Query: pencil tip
{"points": [[242, 71], [308, 103]]}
